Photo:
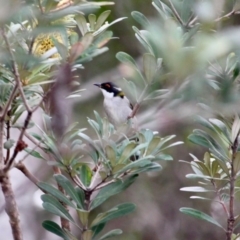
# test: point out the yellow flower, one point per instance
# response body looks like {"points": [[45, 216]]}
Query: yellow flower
{"points": [[44, 42]]}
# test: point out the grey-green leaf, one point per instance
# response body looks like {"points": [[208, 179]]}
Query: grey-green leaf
{"points": [[55, 228], [149, 66], [110, 190], [111, 233], [140, 18], [117, 211], [198, 214], [69, 189], [56, 193], [53, 209], [47, 198], [102, 18]]}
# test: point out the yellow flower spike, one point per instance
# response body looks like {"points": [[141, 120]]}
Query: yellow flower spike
{"points": [[44, 42]]}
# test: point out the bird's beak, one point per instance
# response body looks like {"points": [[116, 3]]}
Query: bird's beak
{"points": [[97, 84]]}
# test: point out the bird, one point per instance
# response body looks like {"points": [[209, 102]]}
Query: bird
{"points": [[116, 105]]}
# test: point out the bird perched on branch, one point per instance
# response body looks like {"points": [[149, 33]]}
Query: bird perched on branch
{"points": [[116, 105]]}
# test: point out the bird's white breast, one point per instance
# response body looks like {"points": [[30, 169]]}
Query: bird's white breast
{"points": [[117, 109]]}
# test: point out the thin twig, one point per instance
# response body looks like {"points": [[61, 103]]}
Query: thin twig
{"points": [[137, 105], [11, 206], [38, 144], [9, 102], [15, 71], [189, 20], [76, 179], [20, 166], [176, 13], [233, 12], [1, 144], [95, 177], [40, 6], [8, 136], [17, 148], [192, 21]]}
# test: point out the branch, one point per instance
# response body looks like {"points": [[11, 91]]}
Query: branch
{"points": [[15, 71], [20, 166], [8, 136], [9, 102], [40, 6], [233, 12], [1, 144], [64, 222], [11, 206], [19, 144]]}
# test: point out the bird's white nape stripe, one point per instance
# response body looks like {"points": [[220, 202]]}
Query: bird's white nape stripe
{"points": [[107, 94], [118, 88]]}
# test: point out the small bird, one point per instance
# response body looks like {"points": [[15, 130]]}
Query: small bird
{"points": [[116, 105]]}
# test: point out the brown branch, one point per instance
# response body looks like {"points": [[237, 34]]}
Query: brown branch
{"points": [[231, 218], [11, 206], [1, 144], [8, 136], [17, 148], [233, 12], [64, 222], [20, 166], [9, 102]]}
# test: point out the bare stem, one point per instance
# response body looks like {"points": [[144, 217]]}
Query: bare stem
{"points": [[176, 13], [64, 222], [1, 144], [233, 12], [15, 71], [8, 136], [20, 166], [11, 206], [18, 147], [231, 219]]}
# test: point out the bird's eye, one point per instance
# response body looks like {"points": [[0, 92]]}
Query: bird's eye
{"points": [[107, 85]]}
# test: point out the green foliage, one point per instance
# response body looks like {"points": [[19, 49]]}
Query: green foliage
{"points": [[99, 165], [188, 61]]}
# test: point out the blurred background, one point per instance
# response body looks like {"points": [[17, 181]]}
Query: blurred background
{"points": [[156, 195]]}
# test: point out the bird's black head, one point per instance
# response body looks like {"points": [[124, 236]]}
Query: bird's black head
{"points": [[111, 88]]}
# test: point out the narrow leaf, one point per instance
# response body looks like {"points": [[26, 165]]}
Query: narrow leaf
{"points": [[55, 228], [198, 214], [69, 189], [110, 190], [112, 233], [118, 211], [149, 66], [126, 58], [56, 193]]}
